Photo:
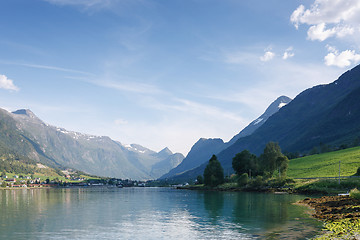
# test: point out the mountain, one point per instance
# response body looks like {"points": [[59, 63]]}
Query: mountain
{"points": [[202, 150], [325, 114], [25, 133], [273, 108], [199, 153]]}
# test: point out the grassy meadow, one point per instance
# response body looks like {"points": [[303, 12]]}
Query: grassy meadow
{"points": [[326, 164]]}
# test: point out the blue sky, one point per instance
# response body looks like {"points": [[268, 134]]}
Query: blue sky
{"points": [[166, 73]]}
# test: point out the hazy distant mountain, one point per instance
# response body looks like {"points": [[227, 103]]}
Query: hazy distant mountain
{"points": [[324, 114], [92, 154], [199, 153]]}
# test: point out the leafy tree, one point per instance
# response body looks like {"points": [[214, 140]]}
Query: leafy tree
{"points": [[200, 179], [243, 162], [269, 158], [282, 163], [213, 173]]}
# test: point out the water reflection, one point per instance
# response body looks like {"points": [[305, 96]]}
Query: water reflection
{"points": [[148, 213], [214, 203]]}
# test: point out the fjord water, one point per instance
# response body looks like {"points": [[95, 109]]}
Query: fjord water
{"points": [[151, 213]]}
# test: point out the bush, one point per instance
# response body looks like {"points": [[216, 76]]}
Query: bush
{"points": [[243, 179], [355, 193], [281, 182], [257, 182]]}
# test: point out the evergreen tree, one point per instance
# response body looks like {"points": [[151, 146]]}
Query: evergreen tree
{"points": [[213, 173], [200, 179]]}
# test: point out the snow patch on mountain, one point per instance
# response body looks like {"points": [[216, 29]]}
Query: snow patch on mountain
{"points": [[282, 104], [257, 121]]}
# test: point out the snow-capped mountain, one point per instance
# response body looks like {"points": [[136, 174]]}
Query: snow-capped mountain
{"points": [[273, 108], [98, 155]]}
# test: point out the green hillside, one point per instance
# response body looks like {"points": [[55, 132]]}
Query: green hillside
{"points": [[326, 164]]}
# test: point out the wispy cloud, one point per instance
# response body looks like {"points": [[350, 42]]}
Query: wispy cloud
{"points": [[84, 3], [115, 6], [8, 84], [288, 53], [55, 68], [127, 86], [47, 67]]}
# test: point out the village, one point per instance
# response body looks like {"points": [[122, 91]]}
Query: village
{"points": [[21, 181]]}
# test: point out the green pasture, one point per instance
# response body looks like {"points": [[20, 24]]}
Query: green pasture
{"points": [[326, 164]]}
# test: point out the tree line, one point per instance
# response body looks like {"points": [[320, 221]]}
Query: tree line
{"points": [[272, 162]]}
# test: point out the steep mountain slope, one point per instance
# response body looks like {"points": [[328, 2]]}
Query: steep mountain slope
{"points": [[166, 165], [199, 153], [273, 108], [327, 114], [202, 151], [92, 154]]}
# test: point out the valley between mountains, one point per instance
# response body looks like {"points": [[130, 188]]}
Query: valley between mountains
{"points": [[323, 115]]}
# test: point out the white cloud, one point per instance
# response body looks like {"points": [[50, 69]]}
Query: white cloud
{"points": [[7, 83], [342, 17], [267, 56], [343, 59], [288, 53], [318, 32]]}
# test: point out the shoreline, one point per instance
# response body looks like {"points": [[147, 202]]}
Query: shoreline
{"points": [[339, 214]]}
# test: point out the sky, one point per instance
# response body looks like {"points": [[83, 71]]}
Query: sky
{"points": [[164, 73]]}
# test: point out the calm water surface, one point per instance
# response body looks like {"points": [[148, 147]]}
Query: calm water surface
{"points": [[151, 213]]}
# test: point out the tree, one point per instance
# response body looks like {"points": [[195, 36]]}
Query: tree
{"points": [[213, 173], [282, 164], [243, 162], [269, 158], [200, 179]]}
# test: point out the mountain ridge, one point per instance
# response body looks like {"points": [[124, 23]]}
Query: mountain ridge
{"points": [[98, 155], [315, 116], [204, 148]]}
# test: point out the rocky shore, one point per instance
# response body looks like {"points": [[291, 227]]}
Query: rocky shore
{"points": [[341, 216], [332, 208]]}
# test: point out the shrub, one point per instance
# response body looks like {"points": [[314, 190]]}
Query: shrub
{"points": [[355, 193], [258, 182], [243, 179]]}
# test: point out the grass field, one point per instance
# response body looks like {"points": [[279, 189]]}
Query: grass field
{"points": [[326, 164]]}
